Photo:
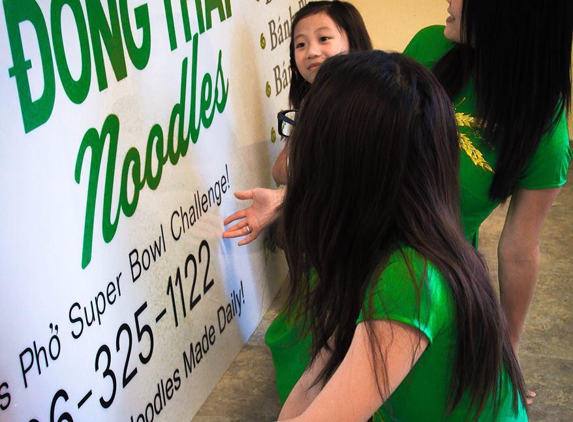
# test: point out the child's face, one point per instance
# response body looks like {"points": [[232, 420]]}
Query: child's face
{"points": [[316, 38]]}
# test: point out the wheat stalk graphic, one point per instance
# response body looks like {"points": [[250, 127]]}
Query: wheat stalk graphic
{"points": [[466, 120]]}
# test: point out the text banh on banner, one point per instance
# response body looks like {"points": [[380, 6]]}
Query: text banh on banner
{"points": [[126, 126]]}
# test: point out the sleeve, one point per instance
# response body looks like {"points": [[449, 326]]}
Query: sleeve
{"points": [[411, 291], [549, 165]]}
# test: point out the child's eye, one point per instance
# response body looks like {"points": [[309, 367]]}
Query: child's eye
{"points": [[299, 45], [324, 38]]}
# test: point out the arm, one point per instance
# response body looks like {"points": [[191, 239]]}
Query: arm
{"points": [[262, 212], [304, 392], [352, 394], [280, 168], [518, 254]]}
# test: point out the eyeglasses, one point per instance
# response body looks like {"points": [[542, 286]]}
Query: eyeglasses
{"points": [[286, 122]]}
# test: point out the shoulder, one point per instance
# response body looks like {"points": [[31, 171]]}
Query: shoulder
{"points": [[408, 279], [407, 262], [429, 45], [411, 290], [429, 33], [409, 275]]}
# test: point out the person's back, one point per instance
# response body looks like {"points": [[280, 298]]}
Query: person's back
{"points": [[423, 394], [547, 169], [402, 320]]}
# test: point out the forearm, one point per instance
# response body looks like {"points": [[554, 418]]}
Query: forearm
{"points": [[518, 270], [305, 390], [300, 398], [274, 208], [359, 386], [518, 254]]}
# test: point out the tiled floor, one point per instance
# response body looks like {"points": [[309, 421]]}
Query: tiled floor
{"points": [[246, 392]]}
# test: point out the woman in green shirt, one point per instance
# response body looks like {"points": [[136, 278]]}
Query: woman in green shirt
{"points": [[404, 322], [506, 67]]}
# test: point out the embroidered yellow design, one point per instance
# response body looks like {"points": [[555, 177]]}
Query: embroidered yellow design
{"points": [[465, 120]]}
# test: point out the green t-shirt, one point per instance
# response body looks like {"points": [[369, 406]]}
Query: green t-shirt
{"points": [[546, 169], [423, 393], [426, 303]]}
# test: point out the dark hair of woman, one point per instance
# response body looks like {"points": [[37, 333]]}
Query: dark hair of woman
{"points": [[519, 56], [346, 17], [374, 167]]}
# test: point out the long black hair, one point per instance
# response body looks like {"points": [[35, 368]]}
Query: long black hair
{"points": [[374, 163], [347, 18], [519, 56]]}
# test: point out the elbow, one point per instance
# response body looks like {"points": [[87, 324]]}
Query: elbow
{"points": [[279, 174], [280, 168], [521, 252]]}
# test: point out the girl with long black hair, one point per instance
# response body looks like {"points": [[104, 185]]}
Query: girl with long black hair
{"points": [[506, 66], [319, 30], [403, 321]]}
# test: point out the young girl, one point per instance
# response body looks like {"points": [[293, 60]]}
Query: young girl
{"points": [[403, 320], [320, 30], [506, 67]]}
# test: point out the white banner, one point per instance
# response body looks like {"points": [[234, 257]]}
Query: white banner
{"points": [[126, 126]]}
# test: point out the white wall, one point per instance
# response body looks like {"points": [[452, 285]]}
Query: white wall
{"points": [[392, 24]]}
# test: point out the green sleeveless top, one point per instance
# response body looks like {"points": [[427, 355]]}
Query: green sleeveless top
{"points": [[546, 169]]}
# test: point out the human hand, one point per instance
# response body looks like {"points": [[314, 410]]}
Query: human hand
{"points": [[251, 221]]}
